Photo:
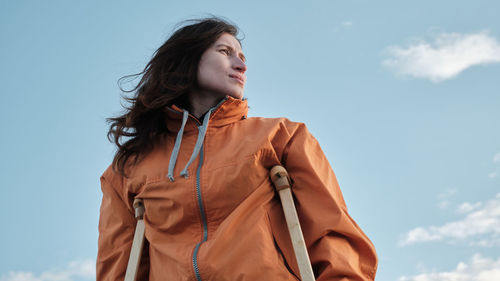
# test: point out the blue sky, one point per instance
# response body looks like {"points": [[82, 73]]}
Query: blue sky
{"points": [[403, 97]]}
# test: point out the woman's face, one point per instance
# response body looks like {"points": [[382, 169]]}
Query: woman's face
{"points": [[221, 70]]}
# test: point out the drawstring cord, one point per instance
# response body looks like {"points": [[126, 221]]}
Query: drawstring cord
{"points": [[199, 142], [202, 130], [175, 151]]}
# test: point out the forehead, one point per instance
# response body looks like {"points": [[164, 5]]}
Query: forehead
{"points": [[230, 40]]}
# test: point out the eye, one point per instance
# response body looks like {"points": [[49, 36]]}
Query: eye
{"points": [[225, 51]]}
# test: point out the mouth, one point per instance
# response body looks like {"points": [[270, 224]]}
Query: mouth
{"points": [[238, 78]]}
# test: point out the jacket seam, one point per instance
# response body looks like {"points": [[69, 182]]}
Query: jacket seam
{"points": [[233, 162]]}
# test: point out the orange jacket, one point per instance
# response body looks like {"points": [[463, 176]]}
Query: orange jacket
{"points": [[212, 212]]}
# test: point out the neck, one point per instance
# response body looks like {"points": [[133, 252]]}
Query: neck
{"points": [[199, 103]]}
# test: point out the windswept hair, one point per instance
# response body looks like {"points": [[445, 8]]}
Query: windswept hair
{"points": [[167, 78]]}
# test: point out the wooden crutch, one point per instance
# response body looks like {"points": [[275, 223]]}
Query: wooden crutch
{"points": [[137, 243], [281, 181]]}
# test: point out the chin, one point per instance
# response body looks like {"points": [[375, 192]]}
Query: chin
{"points": [[236, 95]]}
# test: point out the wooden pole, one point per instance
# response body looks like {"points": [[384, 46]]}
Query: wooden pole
{"points": [[137, 244], [281, 181]]}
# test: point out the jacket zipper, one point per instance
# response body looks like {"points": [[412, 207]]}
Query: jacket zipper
{"points": [[203, 218], [201, 207]]}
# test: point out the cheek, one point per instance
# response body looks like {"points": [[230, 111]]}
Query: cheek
{"points": [[208, 79], [211, 74]]}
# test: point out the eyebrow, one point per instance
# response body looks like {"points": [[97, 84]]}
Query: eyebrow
{"points": [[232, 49]]}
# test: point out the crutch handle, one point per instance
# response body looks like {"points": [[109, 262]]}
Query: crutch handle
{"points": [[280, 177], [139, 208]]}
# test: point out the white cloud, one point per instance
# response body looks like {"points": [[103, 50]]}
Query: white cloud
{"points": [[419, 234], [448, 193], [75, 270], [443, 204], [481, 223], [496, 158], [450, 54], [477, 269], [443, 198], [346, 23], [467, 207], [487, 243]]}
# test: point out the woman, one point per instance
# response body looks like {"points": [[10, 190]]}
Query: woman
{"points": [[202, 169]]}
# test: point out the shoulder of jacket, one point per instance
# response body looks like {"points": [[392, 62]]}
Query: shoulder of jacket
{"points": [[108, 174], [283, 122], [112, 177]]}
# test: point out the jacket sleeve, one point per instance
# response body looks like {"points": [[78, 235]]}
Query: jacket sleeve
{"points": [[338, 248], [116, 231]]}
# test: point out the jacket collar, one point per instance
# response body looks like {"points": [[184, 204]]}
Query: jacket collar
{"points": [[227, 111]]}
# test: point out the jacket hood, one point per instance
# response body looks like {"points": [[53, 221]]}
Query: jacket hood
{"points": [[227, 111]]}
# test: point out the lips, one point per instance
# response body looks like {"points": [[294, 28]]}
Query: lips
{"points": [[240, 78]]}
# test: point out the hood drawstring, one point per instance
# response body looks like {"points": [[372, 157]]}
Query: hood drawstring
{"points": [[177, 146], [202, 130], [199, 142]]}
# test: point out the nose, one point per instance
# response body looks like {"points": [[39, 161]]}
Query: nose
{"points": [[239, 65]]}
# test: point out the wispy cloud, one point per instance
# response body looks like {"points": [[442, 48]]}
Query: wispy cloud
{"points": [[445, 58], [444, 197], [496, 159], [346, 23], [75, 270], [477, 269], [467, 207], [481, 222]]}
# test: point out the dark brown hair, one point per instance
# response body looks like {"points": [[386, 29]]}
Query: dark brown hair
{"points": [[167, 78]]}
